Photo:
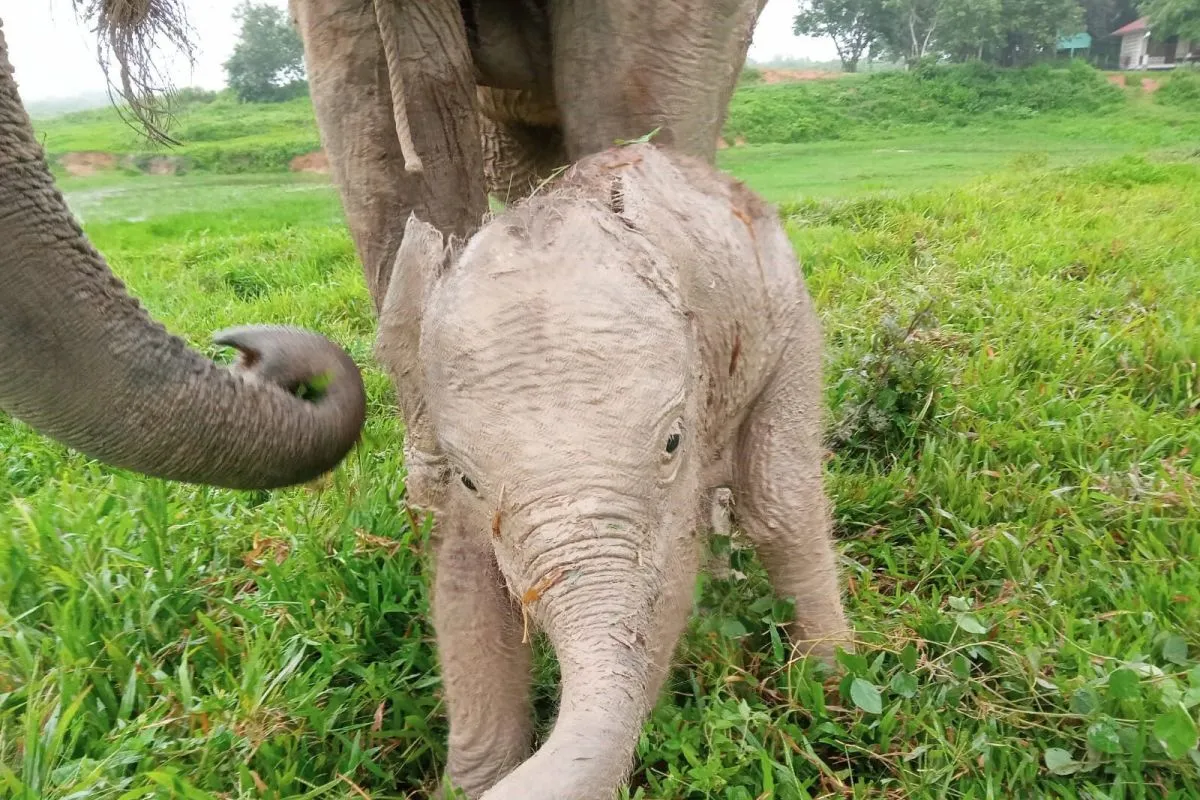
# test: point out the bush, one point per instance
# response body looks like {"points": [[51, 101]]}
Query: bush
{"points": [[750, 76], [194, 95], [1181, 89], [882, 404], [949, 95]]}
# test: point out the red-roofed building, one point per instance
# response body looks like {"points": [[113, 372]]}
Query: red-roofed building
{"points": [[1141, 50]]}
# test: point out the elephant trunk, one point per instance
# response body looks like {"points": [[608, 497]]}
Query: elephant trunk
{"points": [[613, 615], [83, 363]]}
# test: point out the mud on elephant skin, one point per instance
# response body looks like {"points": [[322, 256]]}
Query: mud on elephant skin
{"points": [[577, 381], [84, 364]]}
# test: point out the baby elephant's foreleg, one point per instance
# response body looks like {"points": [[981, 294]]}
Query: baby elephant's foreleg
{"points": [[485, 665], [780, 504]]}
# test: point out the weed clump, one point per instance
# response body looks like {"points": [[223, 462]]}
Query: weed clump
{"points": [[1182, 90], [883, 403]]}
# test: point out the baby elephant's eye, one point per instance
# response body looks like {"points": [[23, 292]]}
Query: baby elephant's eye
{"points": [[674, 440], [467, 482]]}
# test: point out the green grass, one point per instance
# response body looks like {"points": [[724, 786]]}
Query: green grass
{"points": [[864, 106], [222, 136], [912, 160], [1014, 409]]}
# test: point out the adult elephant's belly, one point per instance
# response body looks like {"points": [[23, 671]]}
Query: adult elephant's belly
{"points": [[510, 44]]}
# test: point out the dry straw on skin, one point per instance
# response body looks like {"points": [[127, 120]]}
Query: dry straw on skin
{"points": [[128, 31]]}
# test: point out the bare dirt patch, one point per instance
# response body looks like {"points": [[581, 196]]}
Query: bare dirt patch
{"points": [[87, 162], [315, 161], [794, 75], [1149, 85], [164, 165]]}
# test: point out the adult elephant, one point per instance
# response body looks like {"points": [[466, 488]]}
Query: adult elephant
{"points": [[84, 364], [427, 106]]}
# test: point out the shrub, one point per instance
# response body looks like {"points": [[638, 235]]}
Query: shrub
{"points": [[1181, 89], [882, 404], [193, 95], [750, 76]]}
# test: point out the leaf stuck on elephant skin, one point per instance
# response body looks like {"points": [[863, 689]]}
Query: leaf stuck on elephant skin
{"points": [[534, 594], [496, 518], [644, 139], [541, 587]]}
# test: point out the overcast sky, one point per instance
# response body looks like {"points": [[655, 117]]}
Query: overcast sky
{"points": [[55, 56]]}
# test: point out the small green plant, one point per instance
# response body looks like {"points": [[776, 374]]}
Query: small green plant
{"points": [[750, 76], [883, 403]]}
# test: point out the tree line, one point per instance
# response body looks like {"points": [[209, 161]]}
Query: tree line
{"points": [[1003, 32]]}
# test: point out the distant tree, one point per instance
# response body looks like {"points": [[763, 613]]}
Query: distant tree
{"points": [[908, 27], [1100, 19], [970, 29], [853, 25], [1005, 32], [267, 64], [1032, 27], [1173, 17]]}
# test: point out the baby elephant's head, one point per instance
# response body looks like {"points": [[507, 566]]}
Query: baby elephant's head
{"points": [[561, 387]]}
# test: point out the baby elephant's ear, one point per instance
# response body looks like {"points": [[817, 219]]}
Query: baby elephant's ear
{"points": [[420, 262]]}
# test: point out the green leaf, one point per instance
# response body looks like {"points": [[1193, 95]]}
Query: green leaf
{"points": [[866, 696], [1103, 737], [733, 628], [961, 667], [640, 140], [908, 658], [1124, 684], [970, 623], [855, 663], [1060, 762], [1175, 650], [1176, 732], [1084, 702], [904, 684]]}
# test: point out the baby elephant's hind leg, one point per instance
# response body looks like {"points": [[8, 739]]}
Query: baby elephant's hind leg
{"points": [[780, 503]]}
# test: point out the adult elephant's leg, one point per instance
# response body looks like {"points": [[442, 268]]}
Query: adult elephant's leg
{"points": [[485, 664], [352, 90], [622, 69]]}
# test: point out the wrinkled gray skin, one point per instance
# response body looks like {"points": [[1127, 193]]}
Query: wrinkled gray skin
{"points": [[499, 93], [81, 362], [577, 382]]}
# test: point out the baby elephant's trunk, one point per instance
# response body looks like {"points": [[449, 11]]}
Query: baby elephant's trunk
{"points": [[613, 615]]}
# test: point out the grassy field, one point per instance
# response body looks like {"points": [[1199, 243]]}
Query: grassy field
{"points": [[1051, 110], [1014, 420]]}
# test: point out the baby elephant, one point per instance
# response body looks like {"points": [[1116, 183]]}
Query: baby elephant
{"points": [[577, 381]]}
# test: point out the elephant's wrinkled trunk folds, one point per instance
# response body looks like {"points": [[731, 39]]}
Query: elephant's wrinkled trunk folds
{"points": [[83, 363], [613, 614]]}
